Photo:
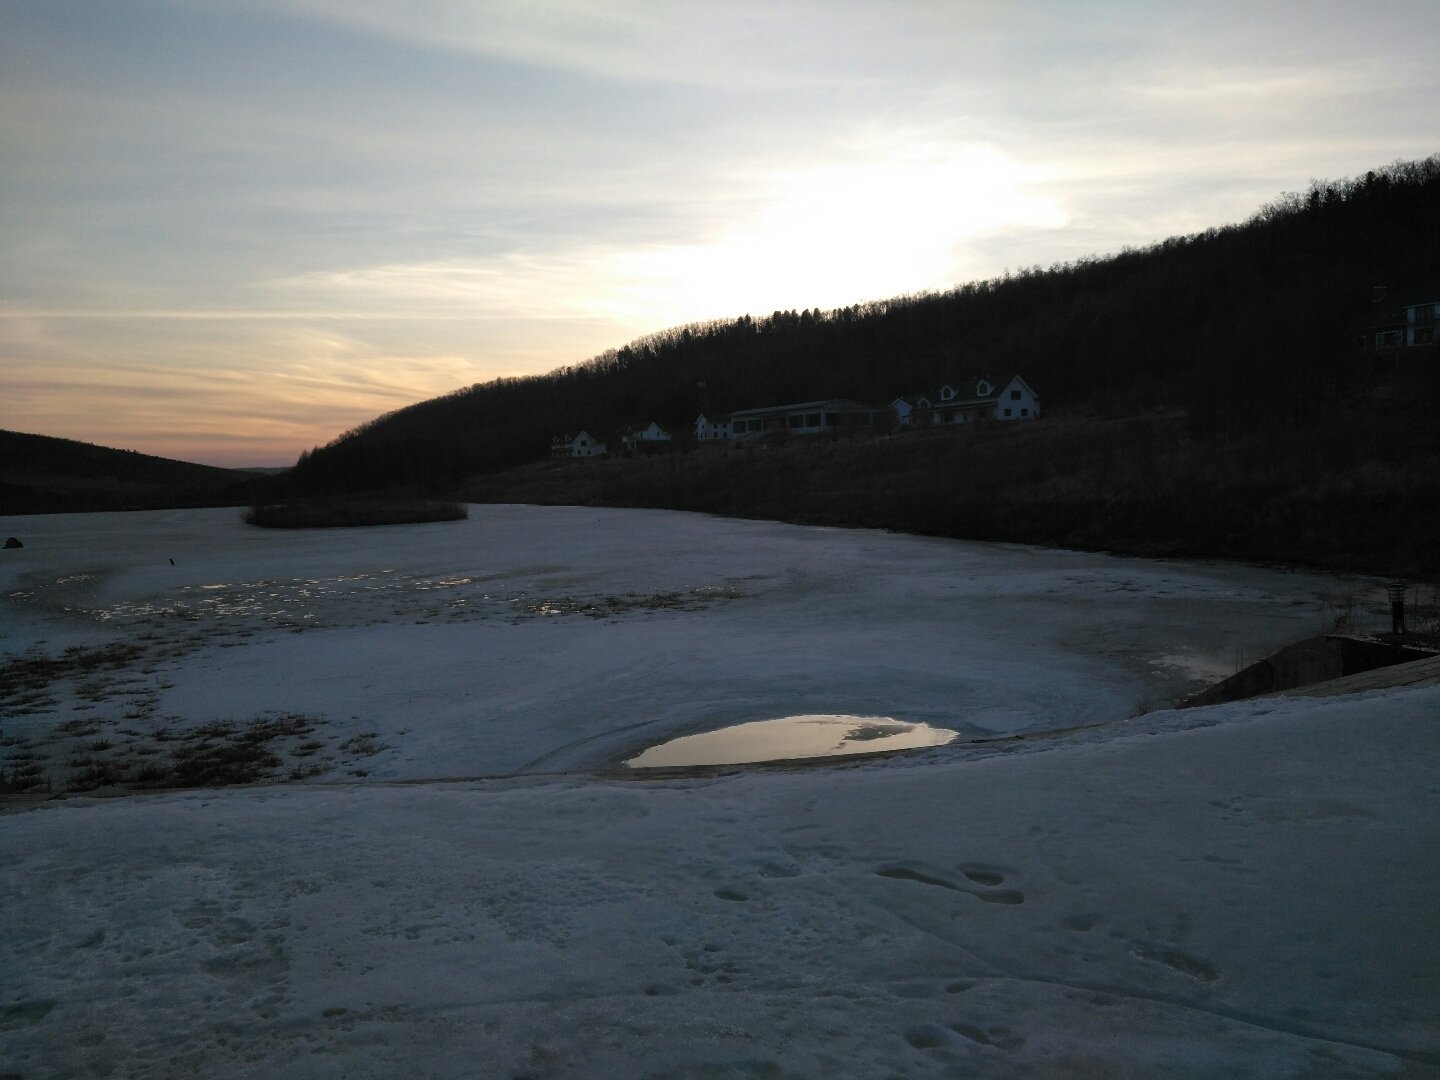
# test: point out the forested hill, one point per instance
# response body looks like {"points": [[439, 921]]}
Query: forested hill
{"points": [[1239, 325], [40, 474]]}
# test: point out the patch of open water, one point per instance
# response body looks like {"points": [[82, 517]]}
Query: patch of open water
{"points": [[791, 738]]}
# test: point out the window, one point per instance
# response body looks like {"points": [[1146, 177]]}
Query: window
{"points": [[812, 419], [1024, 412], [1007, 412], [1014, 395]]}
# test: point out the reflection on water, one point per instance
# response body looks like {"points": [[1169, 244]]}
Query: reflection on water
{"points": [[1201, 667], [790, 738]]}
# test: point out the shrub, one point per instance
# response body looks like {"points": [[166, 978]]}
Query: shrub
{"points": [[350, 513]]}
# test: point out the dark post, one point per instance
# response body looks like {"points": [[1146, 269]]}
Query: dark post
{"points": [[1397, 607]]}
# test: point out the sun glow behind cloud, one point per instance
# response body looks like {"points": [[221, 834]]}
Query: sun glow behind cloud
{"points": [[836, 234], [823, 237]]}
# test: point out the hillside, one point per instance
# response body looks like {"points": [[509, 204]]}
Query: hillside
{"points": [[1243, 335], [40, 474], [1142, 485]]}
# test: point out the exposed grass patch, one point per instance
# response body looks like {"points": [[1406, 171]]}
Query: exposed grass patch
{"points": [[210, 755], [350, 513], [275, 748], [77, 728], [22, 770], [362, 745], [22, 676], [205, 764]]}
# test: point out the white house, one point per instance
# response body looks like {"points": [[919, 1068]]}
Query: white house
{"points": [[707, 430], [984, 398], [576, 446], [905, 409], [653, 437], [1015, 400]]}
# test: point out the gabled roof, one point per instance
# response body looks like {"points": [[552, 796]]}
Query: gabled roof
{"points": [[832, 405], [567, 439], [967, 392], [634, 431]]}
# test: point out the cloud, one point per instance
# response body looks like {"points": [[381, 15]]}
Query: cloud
{"points": [[63, 378], [895, 217], [760, 44]]}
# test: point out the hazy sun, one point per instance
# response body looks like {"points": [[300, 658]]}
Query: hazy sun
{"points": [[836, 234]]}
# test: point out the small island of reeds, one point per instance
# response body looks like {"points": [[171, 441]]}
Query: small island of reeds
{"points": [[352, 513]]}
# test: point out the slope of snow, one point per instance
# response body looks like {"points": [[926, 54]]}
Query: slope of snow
{"points": [[1241, 891]]}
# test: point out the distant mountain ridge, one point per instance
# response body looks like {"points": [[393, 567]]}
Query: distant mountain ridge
{"points": [[42, 474]]}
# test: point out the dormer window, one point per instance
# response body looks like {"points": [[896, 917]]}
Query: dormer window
{"points": [[946, 393], [982, 388]]}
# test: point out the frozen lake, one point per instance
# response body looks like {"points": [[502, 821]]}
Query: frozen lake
{"points": [[457, 878]]}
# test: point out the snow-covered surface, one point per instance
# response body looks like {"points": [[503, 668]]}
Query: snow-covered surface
{"points": [[1244, 891]]}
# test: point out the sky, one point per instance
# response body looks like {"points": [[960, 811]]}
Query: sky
{"points": [[232, 229]]}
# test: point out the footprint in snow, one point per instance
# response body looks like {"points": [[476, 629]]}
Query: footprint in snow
{"points": [[1181, 962], [979, 875]]}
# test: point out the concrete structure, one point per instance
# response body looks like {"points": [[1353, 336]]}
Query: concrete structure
{"points": [[1400, 325], [805, 418], [1314, 660], [1421, 317]]}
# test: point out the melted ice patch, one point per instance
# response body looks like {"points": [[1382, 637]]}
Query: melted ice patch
{"points": [[791, 738]]}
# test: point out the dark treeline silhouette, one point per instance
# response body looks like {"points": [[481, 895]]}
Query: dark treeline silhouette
{"points": [[1240, 326], [1213, 399], [40, 474]]}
